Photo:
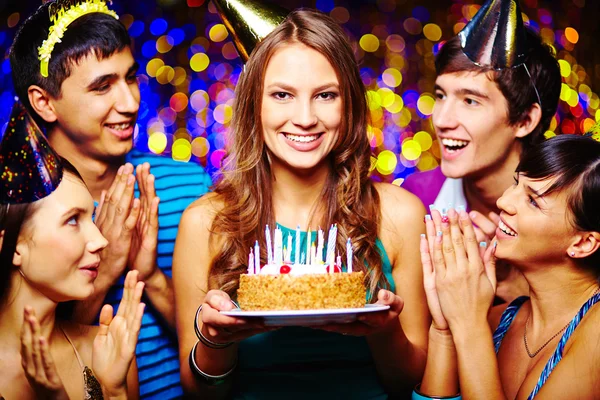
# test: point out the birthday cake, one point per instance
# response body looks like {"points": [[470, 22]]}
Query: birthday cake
{"points": [[307, 283]]}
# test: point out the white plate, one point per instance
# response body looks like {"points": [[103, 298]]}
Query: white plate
{"points": [[307, 317]]}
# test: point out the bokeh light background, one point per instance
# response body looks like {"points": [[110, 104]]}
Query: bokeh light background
{"points": [[189, 69]]}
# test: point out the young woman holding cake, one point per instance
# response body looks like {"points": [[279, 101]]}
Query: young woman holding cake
{"points": [[544, 345], [299, 154]]}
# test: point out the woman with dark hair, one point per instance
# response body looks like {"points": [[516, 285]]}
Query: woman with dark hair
{"points": [[50, 253], [299, 154], [544, 345]]}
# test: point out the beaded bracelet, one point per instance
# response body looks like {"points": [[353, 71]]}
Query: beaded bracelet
{"points": [[205, 341], [417, 395], [211, 380]]}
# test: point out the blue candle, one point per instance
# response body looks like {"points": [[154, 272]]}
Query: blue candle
{"points": [[348, 256], [256, 258], [297, 254]]}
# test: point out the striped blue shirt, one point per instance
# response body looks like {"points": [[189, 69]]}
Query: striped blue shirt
{"points": [[177, 184]]}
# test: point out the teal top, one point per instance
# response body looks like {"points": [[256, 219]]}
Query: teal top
{"points": [[305, 363]]}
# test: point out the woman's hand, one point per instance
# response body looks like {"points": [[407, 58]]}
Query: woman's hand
{"points": [[37, 362], [372, 323], [114, 345], [220, 328], [426, 247], [465, 283]]}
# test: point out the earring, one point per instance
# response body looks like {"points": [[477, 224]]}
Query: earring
{"points": [[572, 254]]}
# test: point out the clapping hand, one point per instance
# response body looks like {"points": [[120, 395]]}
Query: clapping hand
{"points": [[142, 256], [464, 282], [116, 217], [37, 361], [114, 345]]}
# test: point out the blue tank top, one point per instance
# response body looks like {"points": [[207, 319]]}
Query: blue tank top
{"points": [[305, 363], [509, 315]]}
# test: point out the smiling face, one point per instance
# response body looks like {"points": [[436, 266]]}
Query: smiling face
{"points": [[58, 250], [98, 105], [533, 228], [301, 110], [471, 121]]}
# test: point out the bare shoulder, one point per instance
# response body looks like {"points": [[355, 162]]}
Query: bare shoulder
{"points": [[398, 204], [585, 337]]}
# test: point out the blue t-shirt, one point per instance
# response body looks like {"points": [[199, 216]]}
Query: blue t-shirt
{"points": [[177, 184]]}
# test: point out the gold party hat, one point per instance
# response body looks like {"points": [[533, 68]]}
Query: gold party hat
{"points": [[495, 37], [594, 132], [248, 22]]}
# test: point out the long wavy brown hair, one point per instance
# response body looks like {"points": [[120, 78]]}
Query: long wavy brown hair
{"points": [[349, 196]]}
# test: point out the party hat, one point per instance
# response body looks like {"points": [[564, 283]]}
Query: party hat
{"points": [[495, 37], [594, 132], [29, 169], [248, 22]]}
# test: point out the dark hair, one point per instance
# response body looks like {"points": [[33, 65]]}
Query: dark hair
{"points": [[13, 219], [514, 83], [96, 33], [574, 162]]}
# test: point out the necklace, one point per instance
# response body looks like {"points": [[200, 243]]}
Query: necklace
{"points": [[535, 353]]}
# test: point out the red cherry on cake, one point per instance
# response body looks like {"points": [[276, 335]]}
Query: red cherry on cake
{"points": [[285, 269]]}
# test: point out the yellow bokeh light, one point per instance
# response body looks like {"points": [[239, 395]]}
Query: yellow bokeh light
{"points": [[427, 162], [565, 68], [424, 139], [369, 43], [199, 62], [411, 149], [432, 32], [373, 99], [587, 124], [165, 74], [572, 35], [200, 147], [375, 136], [181, 150], [425, 104], [180, 76], [157, 142], [573, 99], [395, 43], [565, 92], [218, 33], [164, 44], [222, 113], [553, 123], [398, 181], [387, 97], [392, 77], [153, 66], [549, 134], [405, 118], [386, 162], [397, 105]]}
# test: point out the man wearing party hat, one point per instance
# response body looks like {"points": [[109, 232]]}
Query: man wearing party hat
{"points": [[496, 92], [73, 69]]}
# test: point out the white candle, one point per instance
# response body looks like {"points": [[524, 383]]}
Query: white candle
{"points": [[308, 243], [331, 241], [297, 253], [278, 247], [251, 262], [288, 256], [320, 244], [349, 256], [256, 258], [269, 248]]}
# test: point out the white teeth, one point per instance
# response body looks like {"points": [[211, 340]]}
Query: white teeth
{"points": [[302, 139], [506, 229], [454, 143], [120, 127]]}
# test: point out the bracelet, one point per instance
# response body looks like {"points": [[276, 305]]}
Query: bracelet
{"points": [[417, 395], [206, 341], [211, 380]]}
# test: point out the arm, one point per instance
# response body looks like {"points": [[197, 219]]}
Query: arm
{"points": [[401, 350]]}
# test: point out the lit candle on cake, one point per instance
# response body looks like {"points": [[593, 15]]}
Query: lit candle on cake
{"points": [[288, 254], [297, 253], [320, 240], [278, 247], [269, 248], [251, 262], [331, 240], [256, 258], [348, 256]]}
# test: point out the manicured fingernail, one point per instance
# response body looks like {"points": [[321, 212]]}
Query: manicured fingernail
{"points": [[130, 180], [428, 217], [482, 244], [472, 214], [432, 207], [120, 170], [450, 205], [495, 244], [445, 219], [460, 208], [422, 236], [443, 211], [439, 233]]}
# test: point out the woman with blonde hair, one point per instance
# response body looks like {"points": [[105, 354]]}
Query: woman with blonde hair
{"points": [[299, 154]]}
